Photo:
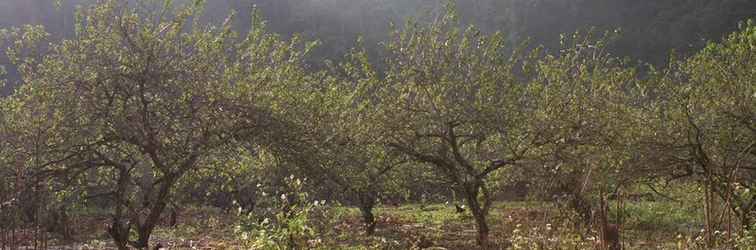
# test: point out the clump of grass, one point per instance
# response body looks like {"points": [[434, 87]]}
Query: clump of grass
{"points": [[430, 215], [548, 236], [660, 216]]}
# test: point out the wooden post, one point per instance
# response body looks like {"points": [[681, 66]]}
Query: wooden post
{"points": [[608, 233], [729, 215], [707, 212], [2, 215], [620, 217]]}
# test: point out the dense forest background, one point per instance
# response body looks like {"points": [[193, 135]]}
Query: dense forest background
{"points": [[650, 29]]}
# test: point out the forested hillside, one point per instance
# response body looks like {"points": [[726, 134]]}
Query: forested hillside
{"points": [[649, 29], [334, 124]]}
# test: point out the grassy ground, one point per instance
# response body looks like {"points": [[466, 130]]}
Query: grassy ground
{"points": [[515, 225], [528, 225]]}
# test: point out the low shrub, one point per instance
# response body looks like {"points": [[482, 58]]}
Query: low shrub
{"points": [[288, 220]]}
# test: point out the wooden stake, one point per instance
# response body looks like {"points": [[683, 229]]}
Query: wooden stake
{"points": [[707, 212]]}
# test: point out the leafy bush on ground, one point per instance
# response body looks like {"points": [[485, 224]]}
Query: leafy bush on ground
{"points": [[287, 220]]}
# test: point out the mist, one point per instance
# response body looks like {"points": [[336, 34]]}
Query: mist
{"points": [[650, 29]]}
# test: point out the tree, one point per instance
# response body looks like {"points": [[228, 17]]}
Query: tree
{"points": [[362, 172], [584, 111], [355, 160], [450, 99], [138, 99], [702, 123]]}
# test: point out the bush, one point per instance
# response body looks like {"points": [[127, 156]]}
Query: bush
{"points": [[549, 237], [288, 220], [746, 240]]}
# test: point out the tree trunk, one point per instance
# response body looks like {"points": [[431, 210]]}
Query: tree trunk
{"points": [[59, 223], [122, 245], [582, 206], [145, 183], [479, 214], [159, 204], [367, 203], [369, 219], [480, 220], [120, 234], [118, 231], [173, 219]]}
